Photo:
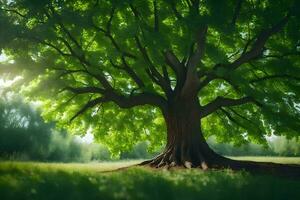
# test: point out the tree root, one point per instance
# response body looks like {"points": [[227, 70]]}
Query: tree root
{"points": [[167, 160], [220, 163]]}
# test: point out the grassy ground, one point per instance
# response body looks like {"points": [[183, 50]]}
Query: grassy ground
{"points": [[28, 180], [286, 160]]}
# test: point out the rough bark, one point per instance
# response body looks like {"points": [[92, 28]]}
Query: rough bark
{"points": [[186, 145]]}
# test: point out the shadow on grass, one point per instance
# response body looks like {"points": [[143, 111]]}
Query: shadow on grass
{"points": [[19, 182]]}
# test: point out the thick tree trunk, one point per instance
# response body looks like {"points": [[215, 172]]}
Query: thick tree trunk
{"points": [[186, 145]]}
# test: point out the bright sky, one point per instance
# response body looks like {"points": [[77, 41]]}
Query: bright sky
{"points": [[87, 138], [2, 58], [8, 83]]}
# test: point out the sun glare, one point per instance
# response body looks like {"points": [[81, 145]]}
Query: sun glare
{"points": [[3, 57], [87, 138], [8, 83]]}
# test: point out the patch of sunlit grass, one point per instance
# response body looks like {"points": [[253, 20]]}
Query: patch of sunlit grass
{"points": [[285, 160], [90, 167], [21, 180]]}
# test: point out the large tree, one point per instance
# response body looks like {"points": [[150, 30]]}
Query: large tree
{"points": [[230, 68]]}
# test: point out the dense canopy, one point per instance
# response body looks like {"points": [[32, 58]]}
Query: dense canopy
{"points": [[87, 60]]}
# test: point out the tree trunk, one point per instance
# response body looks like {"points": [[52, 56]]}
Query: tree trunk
{"points": [[186, 145]]}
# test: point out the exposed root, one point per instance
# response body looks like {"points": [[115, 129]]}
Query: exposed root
{"points": [[286, 170], [187, 164], [204, 166], [167, 160]]}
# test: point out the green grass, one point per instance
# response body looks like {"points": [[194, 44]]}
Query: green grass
{"points": [[71, 167], [286, 160], [29, 180]]}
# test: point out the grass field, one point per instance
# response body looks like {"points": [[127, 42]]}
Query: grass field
{"points": [[286, 160], [30, 180]]}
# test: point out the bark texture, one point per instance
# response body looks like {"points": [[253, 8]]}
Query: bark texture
{"points": [[186, 145]]}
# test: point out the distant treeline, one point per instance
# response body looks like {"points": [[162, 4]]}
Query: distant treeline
{"points": [[277, 146], [25, 136]]}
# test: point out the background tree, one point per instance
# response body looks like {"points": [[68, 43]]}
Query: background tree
{"points": [[25, 136], [230, 68], [22, 131]]}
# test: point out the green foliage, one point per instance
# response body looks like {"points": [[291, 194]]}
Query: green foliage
{"points": [[55, 44], [50, 182]]}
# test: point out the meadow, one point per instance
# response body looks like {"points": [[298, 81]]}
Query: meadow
{"points": [[34, 180]]}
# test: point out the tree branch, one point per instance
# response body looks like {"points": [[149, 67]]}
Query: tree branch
{"points": [[70, 35], [244, 118], [81, 58], [52, 46], [166, 74], [84, 90], [195, 6], [153, 73], [108, 93], [220, 102], [196, 56], [108, 34], [175, 11], [258, 45], [230, 117], [63, 27], [192, 81], [132, 73], [125, 67], [67, 72], [109, 23], [88, 105], [156, 20], [120, 100], [177, 67], [14, 11], [236, 11], [280, 76], [138, 18], [138, 100], [174, 63], [247, 56]]}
